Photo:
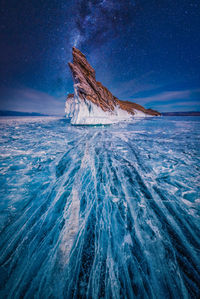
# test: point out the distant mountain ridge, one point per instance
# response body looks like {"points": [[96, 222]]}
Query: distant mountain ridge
{"points": [[187, 113], [19, 113]]}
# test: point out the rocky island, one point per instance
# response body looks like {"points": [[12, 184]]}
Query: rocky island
{"points": [[92, 103]]}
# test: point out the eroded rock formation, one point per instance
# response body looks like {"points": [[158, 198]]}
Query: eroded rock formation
{"points": [[88, 90]]}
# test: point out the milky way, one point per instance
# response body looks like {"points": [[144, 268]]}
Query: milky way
{"points": [[97, 21], [140, 49]]}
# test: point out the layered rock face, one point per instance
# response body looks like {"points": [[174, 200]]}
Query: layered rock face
{"points": [[93, 103]]}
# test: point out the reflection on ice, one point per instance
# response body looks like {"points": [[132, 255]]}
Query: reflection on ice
{"points": [[105, 212]]}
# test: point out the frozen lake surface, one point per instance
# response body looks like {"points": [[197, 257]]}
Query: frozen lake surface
{"points": [[100, 212]]}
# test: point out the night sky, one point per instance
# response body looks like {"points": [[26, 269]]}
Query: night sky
{"points": [[146, 51]]}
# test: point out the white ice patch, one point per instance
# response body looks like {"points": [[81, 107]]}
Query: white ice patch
{"points": [[139, 114], [69, 107], [86, 113]]}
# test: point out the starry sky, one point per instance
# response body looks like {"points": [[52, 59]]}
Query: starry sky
{"points": [[145, 51]]}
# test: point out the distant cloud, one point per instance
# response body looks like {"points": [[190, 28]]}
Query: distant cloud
{"points": [[31, 100], [172, 100], [125, 90], [166, 96], [99, 20]]}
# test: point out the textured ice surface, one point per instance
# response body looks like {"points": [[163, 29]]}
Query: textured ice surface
{"points": [[84, 112], [99, 212]]}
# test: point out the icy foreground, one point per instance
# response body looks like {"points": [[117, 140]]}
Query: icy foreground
{"points": [[99, 212], [93, 103]]}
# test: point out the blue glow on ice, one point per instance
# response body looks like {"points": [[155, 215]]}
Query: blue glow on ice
{"points": [[100, 212]]}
